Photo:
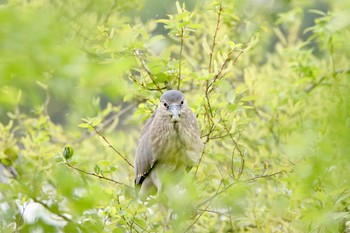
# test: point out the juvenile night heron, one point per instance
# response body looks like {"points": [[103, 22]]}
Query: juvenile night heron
{"points": [[169, 144]]}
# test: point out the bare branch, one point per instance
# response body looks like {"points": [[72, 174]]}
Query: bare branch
{"points": [[214, 37], [205, 209], [109, 145], [207, 85], [312, 86], [94, 174], [235, 142], [20, 220], [52, 210], [243, 181], [180, 59], [109, 120], [219, 74], [145, 67]]}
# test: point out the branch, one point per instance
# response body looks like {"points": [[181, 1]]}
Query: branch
{"points": [[94, 174], [241, 168], [144, 86], [113, 7], [104, 124], [207, 86], [312, 86], [214, 37], [46, 206], [20, 220], [109, 145], [206, 141], [180, 59], [219, 74], [205, 209], [244, 181], [145, 67]]}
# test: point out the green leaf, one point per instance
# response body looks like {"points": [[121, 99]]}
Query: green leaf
{"points": [[247, 107], [240, 89], [97, 169], [104, 163], [155, 39], [205, 46], [182, 16], [178, 7], [96, 121], [248, 98], [84, 125], [318, 12]]}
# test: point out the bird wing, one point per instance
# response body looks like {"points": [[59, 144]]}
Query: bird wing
{"points": [[144, 161]]}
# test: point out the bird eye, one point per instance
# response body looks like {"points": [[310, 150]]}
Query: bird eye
{"points": [[182, 102], [165, 105]]}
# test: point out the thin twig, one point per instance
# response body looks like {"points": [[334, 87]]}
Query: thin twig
{"points": [[219, 74], [214, 38], [109, 145], [331, 51], [108, 15], [144, 86], [207, 84], [243, 181], [145, 67], [310, 87], [94, 174], [180, 59], [104, 124], [206, 141], [208, 102], [205, 209], [46, 206], [214, 212], [20, 220], [235, 142]]}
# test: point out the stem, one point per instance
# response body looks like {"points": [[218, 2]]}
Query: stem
{"points": [[205, 209], [235, 142], [331, 50], [109, 145], [214, 38], [180, 61], [219, 75], [207, 85], [244, 181], [46, 206], [94, 174], [108, 120], [148, 71]]}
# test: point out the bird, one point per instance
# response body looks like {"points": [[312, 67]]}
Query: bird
{"points": [[169, 145]]}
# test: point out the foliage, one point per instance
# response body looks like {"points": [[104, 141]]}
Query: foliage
{"points": [[267, 80]]}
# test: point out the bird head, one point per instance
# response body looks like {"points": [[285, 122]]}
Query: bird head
{"points": [[173, 102]]}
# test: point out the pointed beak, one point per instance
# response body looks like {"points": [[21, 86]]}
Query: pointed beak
{"points": [[175, 110]]}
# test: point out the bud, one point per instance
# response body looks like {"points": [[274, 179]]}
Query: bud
{"points": [[68, 152]]}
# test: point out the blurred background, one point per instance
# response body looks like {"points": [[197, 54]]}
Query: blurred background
{"points": [[55, 51]]}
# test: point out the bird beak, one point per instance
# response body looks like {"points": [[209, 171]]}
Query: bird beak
{"points": [[175, 111]]}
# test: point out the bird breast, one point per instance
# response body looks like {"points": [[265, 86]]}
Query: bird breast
{"points": [[175, 143]]}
